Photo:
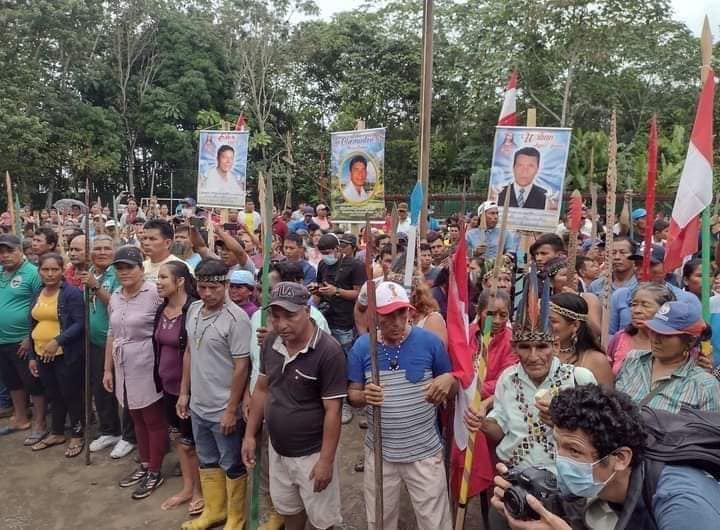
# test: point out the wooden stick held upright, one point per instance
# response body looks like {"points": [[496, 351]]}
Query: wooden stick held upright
{"points": [[86, 383], [593, 198], [375, 375], [610, 223], [10, 203]]}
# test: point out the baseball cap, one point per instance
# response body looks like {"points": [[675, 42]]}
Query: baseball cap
{"points": [[308, 210], [638, 213], [328, 242], [402, 207], [10, 241], [588, 244], [290, 296], [390, 297], [682, 317], [110, 224], [487, 206], [128, 254], [189, 201], [242, 277], [348, 239]]}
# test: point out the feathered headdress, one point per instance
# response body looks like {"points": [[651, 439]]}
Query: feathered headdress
{"points": [[533, 319]]}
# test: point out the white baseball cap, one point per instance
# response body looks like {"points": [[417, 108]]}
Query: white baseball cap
{"points": [[487, 206], [110, 223], [391, 296]]}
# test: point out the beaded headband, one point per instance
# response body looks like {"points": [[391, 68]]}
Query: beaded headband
{"points": [[213, 278], [556, 265], [489, 274], [567, 313], [532, 335]]}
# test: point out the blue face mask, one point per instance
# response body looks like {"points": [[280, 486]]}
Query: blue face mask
{"points": [[577, 478], [330, 260]]}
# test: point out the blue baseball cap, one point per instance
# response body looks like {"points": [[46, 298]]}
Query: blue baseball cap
{"points": [[242, 277], [588, 243], [639, 213], [683, 317]]}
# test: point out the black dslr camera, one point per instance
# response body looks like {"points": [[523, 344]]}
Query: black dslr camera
{"points": [[536, 481]]}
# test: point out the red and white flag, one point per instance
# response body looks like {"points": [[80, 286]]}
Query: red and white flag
{"points": [[508, 112], [694, 192]]}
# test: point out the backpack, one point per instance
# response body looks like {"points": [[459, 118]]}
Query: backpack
{"points": [[688, 438]]}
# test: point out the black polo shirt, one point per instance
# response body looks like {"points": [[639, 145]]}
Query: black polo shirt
{"points": [[294, 411]]}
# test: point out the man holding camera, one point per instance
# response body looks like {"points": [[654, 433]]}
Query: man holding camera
{"points": [[603, 478]]}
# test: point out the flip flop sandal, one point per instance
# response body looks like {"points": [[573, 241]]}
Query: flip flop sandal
{"points": [[44, 444], [196, 507], [74, 450], [34, 438]]}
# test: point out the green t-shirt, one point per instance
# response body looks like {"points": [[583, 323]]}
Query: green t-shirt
{"points": [[16, 293], [98, 309]]}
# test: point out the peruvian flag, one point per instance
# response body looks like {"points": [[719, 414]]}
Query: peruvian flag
{"points": [[694, 192], [461, 349], [507, 114]]}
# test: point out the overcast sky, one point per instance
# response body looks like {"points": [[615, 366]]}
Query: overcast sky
{"points": [[689, 11]]}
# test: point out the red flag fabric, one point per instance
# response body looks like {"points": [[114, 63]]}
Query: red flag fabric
{"points": [[458, 327], [650, 198], [508, 114], [240, 123], [694, 192]]}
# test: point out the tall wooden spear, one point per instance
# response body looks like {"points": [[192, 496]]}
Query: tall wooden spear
{"points": [[10, 203], [650, 197], [374, 374], [610, 213], [706, 49], [482, 367], [574, 220], [88, 295], [593, 198], [265, 196], [393, 233]]}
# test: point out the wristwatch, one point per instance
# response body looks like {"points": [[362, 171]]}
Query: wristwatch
{"points": [[337, 291]]}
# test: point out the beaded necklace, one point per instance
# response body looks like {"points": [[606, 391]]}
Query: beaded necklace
{"points": [[394, 362]]}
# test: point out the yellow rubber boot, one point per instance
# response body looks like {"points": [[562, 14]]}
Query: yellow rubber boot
{"points": [[236, 497], [274, 521], [214, 492]]}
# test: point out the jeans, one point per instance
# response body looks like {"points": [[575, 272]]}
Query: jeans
{"points": [[346, 338], [105, 403], [5, 401], [215, 449]]}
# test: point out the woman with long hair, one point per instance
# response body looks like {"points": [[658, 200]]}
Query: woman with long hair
{"points": [[692, 277], [426, 314], [57, 352], [558, 274], [646, 301], [129, 350], [176, 285], [578, 346]]}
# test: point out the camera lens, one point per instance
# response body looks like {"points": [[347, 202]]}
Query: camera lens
{"points": [[514, 501]]}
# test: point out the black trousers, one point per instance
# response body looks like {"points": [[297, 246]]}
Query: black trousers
{"points": [[63, 382], [106, 404]]}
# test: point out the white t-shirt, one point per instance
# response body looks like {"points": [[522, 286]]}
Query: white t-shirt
{"points": [[153, 269]]}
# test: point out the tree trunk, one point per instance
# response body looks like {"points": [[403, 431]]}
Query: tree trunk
{"points": [[566, 94]]}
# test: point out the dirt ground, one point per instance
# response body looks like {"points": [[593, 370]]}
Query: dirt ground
{"points": [[44, 490]]}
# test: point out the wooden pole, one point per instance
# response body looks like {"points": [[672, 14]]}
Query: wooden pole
{"points": [[706, 49], [524, 243], [393, 233], [375, 375], [425, 111], [593, 198], [650, 198], [610, 215], [10, 201], [88, 295]]}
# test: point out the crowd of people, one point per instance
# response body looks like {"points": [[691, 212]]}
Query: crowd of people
{"points": [[181, 358]]}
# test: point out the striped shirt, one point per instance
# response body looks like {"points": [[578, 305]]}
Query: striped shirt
{"points": [[688, 386], [409, 423]]}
